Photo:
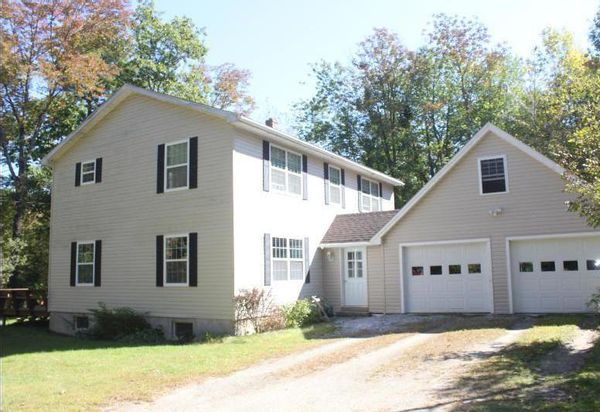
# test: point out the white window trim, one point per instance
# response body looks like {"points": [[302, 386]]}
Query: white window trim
{"points": [[339, 186], [187, 164], [503, 157], [187, 267], [288, 259], [85, 242], [286, 171], [81, 182], [361, 194]]}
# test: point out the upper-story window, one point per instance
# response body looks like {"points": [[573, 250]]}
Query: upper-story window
{"points": [[176, 165], [370, 200], [492, 173], [288, 258], [335, 185], [88, 172], [286, 171]]}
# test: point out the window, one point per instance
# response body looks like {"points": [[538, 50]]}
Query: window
{"points": [[435, 270], [525, 267], [286, 171], [88, 172], [335, 188], [570, 265], [454, 269], [85, 263], [593, 264], [548, 266], [369, 196], [176, 165], [288, 258], [184, 330], [82, 322], [492, 172], [176, 260], [354, 264], [474, 268], [417, 270]]}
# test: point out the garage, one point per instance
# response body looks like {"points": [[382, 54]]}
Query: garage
{"points": [[447, 277], [555, 274]]}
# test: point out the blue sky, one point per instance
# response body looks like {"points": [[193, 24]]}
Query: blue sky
{"points": [[278, 40]]}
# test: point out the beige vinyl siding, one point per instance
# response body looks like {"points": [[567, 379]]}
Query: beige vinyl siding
{"points": [[332, 281], [454, 210], [375, 279], [126, 213]]}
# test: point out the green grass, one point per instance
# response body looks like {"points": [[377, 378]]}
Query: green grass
{"points": [[44, 371]]}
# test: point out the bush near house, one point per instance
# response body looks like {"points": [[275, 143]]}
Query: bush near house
{"points": [[303, 312], [122, 324]]}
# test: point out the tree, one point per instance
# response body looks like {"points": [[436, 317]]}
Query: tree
{"points": [[52, 56]]}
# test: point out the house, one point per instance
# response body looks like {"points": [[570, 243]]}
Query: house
{"points": [[171, 207]]}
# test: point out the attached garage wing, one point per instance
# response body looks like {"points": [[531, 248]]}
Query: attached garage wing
{"points": [[556, 274], [447, 277]]}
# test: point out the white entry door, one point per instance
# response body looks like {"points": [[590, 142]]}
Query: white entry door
{"points": [[355, 277], [554, 274], [449, 277]]}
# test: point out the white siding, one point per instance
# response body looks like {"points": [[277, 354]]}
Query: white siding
{"points": [[126, 213]]}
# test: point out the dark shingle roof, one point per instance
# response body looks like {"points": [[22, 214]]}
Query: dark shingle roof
{"points": [[357, 227]]}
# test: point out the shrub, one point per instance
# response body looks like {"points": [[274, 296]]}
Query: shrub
{"points": [[255, 308], [122, 324], [302, 313], [594, 302]]}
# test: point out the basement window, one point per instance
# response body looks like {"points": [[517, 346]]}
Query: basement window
{"points": [[184, 330], [82, 322]]}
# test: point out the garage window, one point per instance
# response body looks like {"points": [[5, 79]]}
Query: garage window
{"points": [[435, 270], [570, 265], [525, 267], [548, 266], [417, 270], [492, 172], [454, 269], [593, 264], [474, 267]]}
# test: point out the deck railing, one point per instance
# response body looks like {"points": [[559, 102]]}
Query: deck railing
{"points": [[22, 303]]}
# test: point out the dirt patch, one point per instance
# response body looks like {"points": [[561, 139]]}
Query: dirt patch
{"points": [[570, 357]]}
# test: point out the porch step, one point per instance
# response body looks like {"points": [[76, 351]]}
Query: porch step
{"points": [[353, 311]]}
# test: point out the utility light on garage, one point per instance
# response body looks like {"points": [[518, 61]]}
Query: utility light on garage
{"points": [[495, 212]]}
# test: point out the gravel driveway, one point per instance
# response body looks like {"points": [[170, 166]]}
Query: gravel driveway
{"points": [[393, 362]]}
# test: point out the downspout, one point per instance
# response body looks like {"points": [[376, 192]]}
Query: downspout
{"points": [[384, 277]]}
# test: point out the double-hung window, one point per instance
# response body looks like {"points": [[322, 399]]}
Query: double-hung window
{"points": [[176, 260], [369, 196], [85, 263], [335, 185], [88, 172], [176, 165], [492, 172], [286, 171], [288, 258]]}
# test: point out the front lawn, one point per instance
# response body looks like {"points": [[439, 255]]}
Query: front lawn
{"points": [[45, 371]]}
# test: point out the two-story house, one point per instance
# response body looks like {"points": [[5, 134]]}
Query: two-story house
{"points": [[171, 207]]}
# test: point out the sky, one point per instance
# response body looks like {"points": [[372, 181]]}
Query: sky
{"points": [[278, 40]]}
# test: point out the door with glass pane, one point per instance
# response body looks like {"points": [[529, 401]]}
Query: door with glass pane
{"points": [[355, 277]]}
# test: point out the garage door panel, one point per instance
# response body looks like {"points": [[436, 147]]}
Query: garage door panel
{"points": [[559, 291], [445, 292]]}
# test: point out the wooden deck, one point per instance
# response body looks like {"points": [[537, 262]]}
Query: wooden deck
{"points": [[23, 303]]}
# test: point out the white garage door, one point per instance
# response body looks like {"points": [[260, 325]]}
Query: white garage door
{"points": [[554, 275], [452, 277]]}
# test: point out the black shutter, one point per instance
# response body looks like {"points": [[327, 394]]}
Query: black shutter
{"points": [[97, 263], [193, 259], [306, 260], [98, 170], [304, 177], [159, 260], [359, 188], [73, 262], [193, 172], [380, 190], [266, 165], [326, 181], [343, 178], [78, 174], [160, 169], [267, 259]]}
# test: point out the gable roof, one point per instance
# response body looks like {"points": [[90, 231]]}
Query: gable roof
{"points": [[528, 150], [235, 119], [356, 227]]}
